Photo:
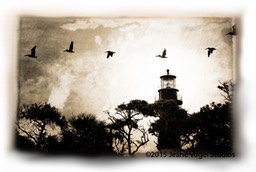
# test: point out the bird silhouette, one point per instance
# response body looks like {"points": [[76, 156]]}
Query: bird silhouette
{"points": [[163, 54], [210, 50], [233, 32], [110, 53], [71, 47], [33, 53]]}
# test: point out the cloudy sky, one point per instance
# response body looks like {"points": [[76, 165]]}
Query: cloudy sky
{"points": [[86, 81]]}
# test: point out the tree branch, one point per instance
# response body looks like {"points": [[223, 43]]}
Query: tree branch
{"points": [[29, 135], [138, 147]]}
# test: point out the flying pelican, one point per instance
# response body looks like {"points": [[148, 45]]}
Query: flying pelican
{"points": [[71, 46], [233, 32], [163, 54], [33, 53], [110, 53], [210, 50]]}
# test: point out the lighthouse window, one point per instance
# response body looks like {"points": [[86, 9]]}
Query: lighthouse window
{"points": [[169, 84]]}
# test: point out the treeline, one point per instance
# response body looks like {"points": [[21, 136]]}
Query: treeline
{"points": [[40, 127]]}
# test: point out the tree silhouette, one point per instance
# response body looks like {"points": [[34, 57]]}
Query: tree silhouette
{"points": [[227, 88], [87, 136], [41, 127], [37, 122], [128, 136], [211, 129], [169, 126], [23, 143]]}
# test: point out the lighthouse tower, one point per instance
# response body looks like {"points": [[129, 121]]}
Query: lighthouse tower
{"points": [[168, 89]]}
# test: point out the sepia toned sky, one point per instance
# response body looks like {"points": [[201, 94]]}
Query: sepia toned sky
{"points": [[86, 81]]}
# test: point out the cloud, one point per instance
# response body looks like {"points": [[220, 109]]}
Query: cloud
{"points": [[84, 24], [59, 93], [97, 39], [30, 91]]}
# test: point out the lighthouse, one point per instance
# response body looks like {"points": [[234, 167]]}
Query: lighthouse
{"points": [[168, 90]]}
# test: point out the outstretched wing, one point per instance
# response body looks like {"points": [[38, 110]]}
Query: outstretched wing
{"points": [[71, 46], [108, 55], [234, 29], [164, 53], [209, 53], [33, 51]]}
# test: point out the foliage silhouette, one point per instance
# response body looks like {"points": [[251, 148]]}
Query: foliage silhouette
{"points": [[37, 122], [87, 136], [23, 143], [211, 129], [125, 125], [169, 126], [227, 88], [41, 127]]}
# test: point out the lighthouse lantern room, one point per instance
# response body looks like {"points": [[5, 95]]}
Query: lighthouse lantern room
{"points": [[168, 89]]}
